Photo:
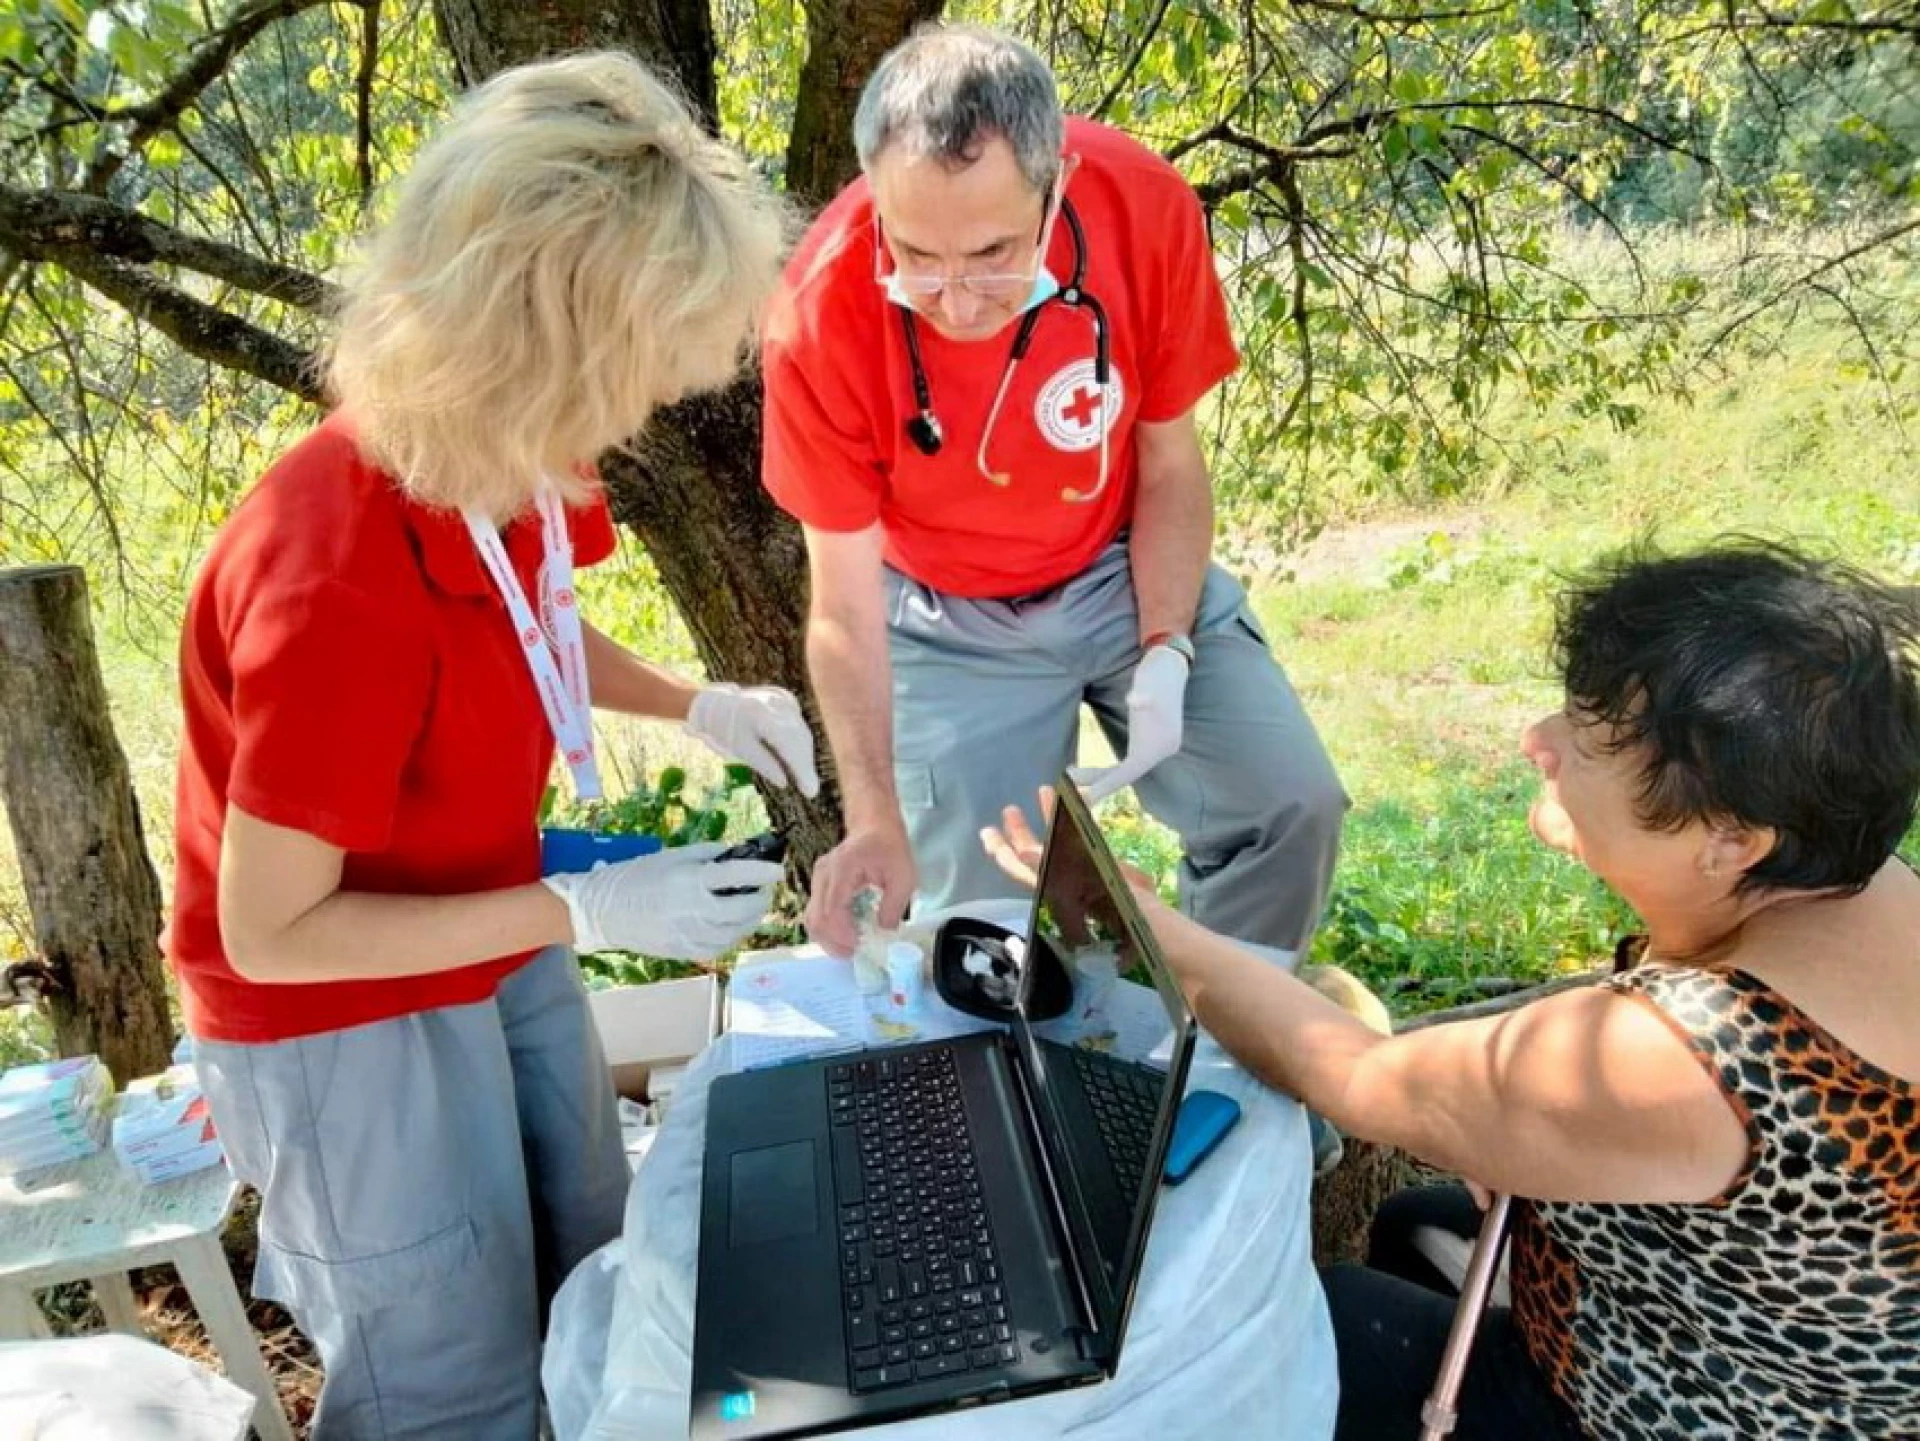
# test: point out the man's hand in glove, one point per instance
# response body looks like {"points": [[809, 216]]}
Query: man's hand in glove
{"points": [[1156, 720]]}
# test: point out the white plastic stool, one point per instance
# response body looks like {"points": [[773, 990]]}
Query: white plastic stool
{"points": [[92, 1220]]}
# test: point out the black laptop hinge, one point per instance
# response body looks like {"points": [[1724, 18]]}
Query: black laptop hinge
{"points": [[1086, 1339]]}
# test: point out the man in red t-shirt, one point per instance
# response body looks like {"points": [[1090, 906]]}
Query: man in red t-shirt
{"points": [[981, 379]]}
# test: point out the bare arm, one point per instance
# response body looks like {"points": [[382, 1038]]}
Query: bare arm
{"points": [[1584, 1096], [1172, 525], [620, 681], [852, 679], [284, 918]]}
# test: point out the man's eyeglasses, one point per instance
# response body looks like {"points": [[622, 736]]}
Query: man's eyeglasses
{"points": [[923, 288]]}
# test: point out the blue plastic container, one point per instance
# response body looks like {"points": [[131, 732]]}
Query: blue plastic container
{"points": [[573, 850]]}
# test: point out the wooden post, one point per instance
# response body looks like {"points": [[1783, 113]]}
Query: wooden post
{"points": [[69, 799]]}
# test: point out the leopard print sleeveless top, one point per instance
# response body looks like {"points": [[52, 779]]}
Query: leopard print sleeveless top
{"points": [[1787, 1308]]}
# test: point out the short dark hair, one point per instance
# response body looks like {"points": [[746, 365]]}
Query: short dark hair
{"points": [[1765, 687]]}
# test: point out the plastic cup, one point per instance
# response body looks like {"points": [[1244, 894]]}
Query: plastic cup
{"points": [[906, 977]]}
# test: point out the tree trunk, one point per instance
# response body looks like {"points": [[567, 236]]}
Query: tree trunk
{"points": [[733, 564], [92, 892], [673, 36], [845, 40], [1345, 1199]]}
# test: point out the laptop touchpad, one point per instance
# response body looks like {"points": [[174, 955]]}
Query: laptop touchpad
{"points": [[771, 1194]]}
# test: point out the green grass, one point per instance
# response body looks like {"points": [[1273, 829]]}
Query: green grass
{"points": [[1421, 647]]}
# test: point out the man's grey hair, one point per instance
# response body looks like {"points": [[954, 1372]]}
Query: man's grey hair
{"points": [[946, 90]]}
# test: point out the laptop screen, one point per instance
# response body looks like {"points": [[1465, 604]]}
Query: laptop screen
{"points": [[1106, 1072]]}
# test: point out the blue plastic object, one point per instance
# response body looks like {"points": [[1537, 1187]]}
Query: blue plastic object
{"points": [[1205, 1118], [572, 850]]}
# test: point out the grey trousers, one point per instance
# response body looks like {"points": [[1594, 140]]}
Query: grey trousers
{"points": [[986, 701], [427, 1182]]}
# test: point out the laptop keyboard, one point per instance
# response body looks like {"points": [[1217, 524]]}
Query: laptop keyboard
{"points": [[921, 1279], [1125, 1102]]}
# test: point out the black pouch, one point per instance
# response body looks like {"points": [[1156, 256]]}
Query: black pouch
{"points": [[977, 968]]}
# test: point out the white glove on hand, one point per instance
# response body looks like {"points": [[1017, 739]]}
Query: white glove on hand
{"points": [[666, 904], [761, 727], [1156, 720]]}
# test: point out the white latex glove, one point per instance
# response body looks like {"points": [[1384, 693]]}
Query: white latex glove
{"points": [[1156, 720], [760, 726], [666, 904]]}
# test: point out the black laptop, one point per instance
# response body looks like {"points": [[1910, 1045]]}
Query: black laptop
{"points": [[914, 1229]]}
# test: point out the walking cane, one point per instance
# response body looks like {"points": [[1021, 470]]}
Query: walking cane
{"points": [[1442, 1404]]}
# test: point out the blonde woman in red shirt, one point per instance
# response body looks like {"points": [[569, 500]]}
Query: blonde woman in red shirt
{"points": [[382, 656]]}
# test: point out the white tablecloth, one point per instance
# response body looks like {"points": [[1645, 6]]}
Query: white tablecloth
{"points": [[1228, 1337]]}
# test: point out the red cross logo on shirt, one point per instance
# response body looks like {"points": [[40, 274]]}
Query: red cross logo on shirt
{"points": [[1073, 410], [1084, 406]]}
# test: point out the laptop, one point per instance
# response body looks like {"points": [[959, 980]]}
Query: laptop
{"points": [[915, 1229]]}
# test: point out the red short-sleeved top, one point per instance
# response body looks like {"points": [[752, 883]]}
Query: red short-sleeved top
{"points": [[348, 670], [839, 384]]}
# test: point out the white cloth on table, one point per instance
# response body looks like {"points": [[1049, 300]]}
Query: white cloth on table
{"points": [[91, 1388], [1228, 1336]]}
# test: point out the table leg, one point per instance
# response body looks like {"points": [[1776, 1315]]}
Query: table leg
{"points": [[21, 1318], [115, 1296], [203, 1269]]}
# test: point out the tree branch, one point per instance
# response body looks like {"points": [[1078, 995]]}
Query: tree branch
{"points": [[1391, 19], [208, 62], [363, 101], [1366, 121], [1872, 26], [1805, 280], [1500, 1005], [197, 327], [1120, 81], [1289, 184], [1275, 160], [65, 227]]}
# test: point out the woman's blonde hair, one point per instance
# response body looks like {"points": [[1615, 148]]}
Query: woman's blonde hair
{"points": [[570, 252]]}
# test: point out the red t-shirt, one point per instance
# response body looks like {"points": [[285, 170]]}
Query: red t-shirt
{"points": [[348, 670], [839, 388]]}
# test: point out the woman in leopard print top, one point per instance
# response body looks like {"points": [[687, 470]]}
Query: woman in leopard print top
{"points": [[1724, 1143], [1787, 1306]]}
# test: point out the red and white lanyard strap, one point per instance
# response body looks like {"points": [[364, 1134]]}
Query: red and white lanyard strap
{"points": [[561, 683]]}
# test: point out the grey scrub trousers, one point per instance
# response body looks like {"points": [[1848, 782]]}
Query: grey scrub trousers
{"points": [[427, 1182], [986, 709]]}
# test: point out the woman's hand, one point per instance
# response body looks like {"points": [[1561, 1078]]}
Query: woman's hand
{"points": [[1017, 851], [681, 903], [761, 726]]}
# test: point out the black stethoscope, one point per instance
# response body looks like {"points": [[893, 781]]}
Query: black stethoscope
{"points": [[924, 429]]}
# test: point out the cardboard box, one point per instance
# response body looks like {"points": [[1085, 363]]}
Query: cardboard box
{"points": [[649, 1032]]}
